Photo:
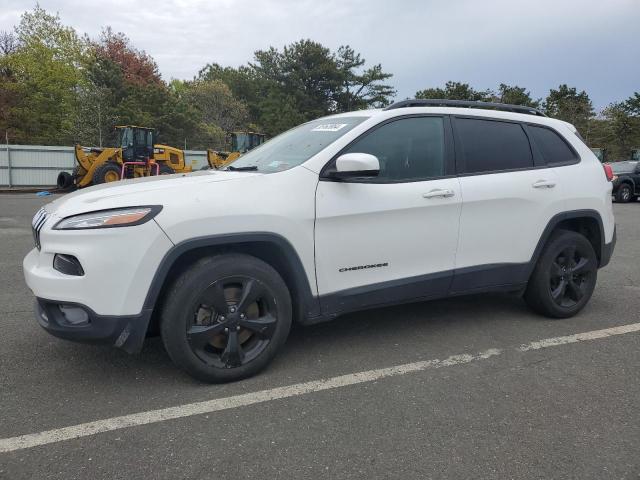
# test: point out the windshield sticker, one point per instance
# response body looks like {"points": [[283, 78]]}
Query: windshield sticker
{"points": [[329, 127]]}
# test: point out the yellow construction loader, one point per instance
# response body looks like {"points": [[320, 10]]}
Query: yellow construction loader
{"points": [[136, 156], [241, 142]]}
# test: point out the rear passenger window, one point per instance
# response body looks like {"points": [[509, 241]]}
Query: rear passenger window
{"points": [[554, 149], [489, 145]]}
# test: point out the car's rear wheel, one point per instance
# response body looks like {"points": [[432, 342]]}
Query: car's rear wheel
{"points": [[226, 317], [565, 276], [624, 193]]}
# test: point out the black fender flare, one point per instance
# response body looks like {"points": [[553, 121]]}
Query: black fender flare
{"points": [[309, 307], [629, 180], [559, 218]]}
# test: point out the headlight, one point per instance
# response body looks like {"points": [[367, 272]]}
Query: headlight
{"points": [[118, 217]]}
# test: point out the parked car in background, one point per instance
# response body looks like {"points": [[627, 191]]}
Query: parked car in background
{"points": [[626, 181]]}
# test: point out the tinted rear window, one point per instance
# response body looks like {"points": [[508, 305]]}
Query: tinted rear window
{"points": [[554, 149], [489, 145]]}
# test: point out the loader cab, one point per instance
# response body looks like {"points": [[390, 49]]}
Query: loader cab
{"points": [[136, 142], [244, 141]]}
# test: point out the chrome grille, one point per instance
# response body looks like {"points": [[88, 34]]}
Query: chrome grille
{"points": [[36, 225]]}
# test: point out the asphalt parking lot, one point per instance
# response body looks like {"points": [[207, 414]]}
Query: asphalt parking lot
{"points": [[473, 394]]}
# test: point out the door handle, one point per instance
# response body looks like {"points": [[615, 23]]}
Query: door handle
{"points": [[439, 193], [544, 184]]}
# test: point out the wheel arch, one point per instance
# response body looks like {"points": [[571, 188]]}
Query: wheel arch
{"points": [[586, 222], [627, 181], [269, 247]]}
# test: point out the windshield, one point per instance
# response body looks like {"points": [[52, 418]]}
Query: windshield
{"points": [[297, 145], [623, 167]]}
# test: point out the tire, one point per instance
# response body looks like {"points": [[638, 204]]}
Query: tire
{"points": [[165, 169], [106, 173], [64, 181], [624, 193], [562, 283], [216, 346]]}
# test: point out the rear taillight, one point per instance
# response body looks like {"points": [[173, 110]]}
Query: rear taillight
{"points": [[608, 171]]}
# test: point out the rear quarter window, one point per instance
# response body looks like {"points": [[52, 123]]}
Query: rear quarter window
{"points": [[493, 146], [553, 147]]}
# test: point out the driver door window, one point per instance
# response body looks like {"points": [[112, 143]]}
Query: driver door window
{"points": [[409, 149]]}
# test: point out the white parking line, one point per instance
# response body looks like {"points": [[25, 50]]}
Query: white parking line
{"points": [[153, 416], [580, 337]]}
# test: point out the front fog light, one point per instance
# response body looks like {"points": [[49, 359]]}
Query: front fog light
{"points": [[67, 264], [74, 315]]}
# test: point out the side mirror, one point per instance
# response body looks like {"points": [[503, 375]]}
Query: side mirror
{"points": [[352, 165]]}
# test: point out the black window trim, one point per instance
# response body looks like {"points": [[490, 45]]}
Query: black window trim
{"points": [[449, 153], [534, 144]]}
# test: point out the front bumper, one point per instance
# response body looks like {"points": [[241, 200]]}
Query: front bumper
{"points": [[125, 332], [118, 263], [607, 250]]}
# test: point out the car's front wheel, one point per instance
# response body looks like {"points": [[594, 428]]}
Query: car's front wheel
{"points": [[564, 277], [226, 317]]}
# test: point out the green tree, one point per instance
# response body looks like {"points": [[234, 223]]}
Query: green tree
{"points": [[44, 78], [567, 104], [306, 80], [217, 105], [306, 71], [455, 91], [8, 84], [515, 95], [622, 129], [360, 88], [632, 104], [279, 111], [122, 85]]}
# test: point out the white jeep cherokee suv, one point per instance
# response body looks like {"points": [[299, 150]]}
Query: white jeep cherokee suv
{"points": [[421, 200]]}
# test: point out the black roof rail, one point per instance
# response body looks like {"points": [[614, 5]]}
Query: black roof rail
{"points": [[505, 107]]}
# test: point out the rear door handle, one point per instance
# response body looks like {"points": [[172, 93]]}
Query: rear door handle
{"points": [[544, 184], [439, 193]]}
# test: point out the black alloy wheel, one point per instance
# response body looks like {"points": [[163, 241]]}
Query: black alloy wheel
{"points": [[233, 322], [225, 317], [564, 277], [569, 279]]}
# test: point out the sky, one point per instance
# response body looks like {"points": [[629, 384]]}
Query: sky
{"points": [[538, 44]]}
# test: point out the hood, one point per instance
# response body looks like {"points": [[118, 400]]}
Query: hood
{"points": [[139, 191]]}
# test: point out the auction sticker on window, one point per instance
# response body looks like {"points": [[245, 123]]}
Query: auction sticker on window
{"points": [[329, 127]]}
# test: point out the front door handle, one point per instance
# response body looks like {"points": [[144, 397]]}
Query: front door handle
{"points": [[439, 193], [544, 184]]}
